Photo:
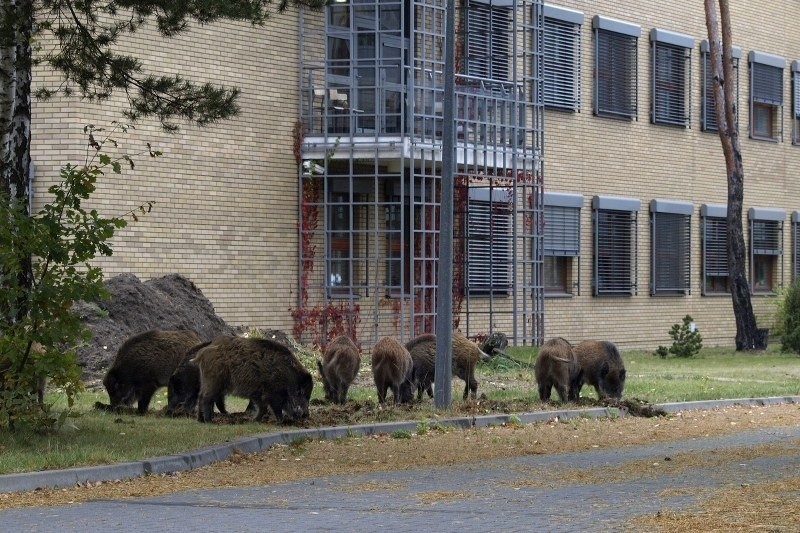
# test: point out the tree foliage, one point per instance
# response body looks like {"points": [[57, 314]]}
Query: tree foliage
{"points": [[789, 319], [63, 237]]}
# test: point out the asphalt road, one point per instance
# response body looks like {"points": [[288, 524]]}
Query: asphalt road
{"points": [[529, 493]]}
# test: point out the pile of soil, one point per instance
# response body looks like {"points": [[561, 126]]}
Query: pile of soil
{"points": [[133, 307]]}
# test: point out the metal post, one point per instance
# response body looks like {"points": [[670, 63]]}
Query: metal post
{"points": [[444, 293]]}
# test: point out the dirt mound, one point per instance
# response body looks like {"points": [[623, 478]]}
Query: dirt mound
{"points": [[169, 302]]}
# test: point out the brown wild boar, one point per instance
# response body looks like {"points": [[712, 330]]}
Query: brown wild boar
{"points": [[602, 367], [338, 368], [393, 368], [145, 363], [465, 358], [264, 371], [557, 366]]}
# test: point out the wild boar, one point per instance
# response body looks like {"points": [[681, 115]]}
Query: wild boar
{"points": [[264, 371], [338, 368], [465, 358], [393, 368], [557, 366], [602, 368], [144, 363], [184, 385]]}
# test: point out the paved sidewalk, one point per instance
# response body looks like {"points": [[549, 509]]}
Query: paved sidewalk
{"points": [[528, 493]]}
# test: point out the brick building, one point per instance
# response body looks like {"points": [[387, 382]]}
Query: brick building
{"points": [[590, 186]]}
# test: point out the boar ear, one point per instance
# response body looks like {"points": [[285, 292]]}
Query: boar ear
{"points": [[622, 374], [604, 369]]}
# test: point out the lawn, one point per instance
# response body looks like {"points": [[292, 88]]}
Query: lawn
{"points": [[99, 437]]}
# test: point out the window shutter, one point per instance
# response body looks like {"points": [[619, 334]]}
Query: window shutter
{"points": [[489, 242], [562, 46], [715, 233], [616, 72], [615, 245], [488, 40], [670, 264], [767, 84], [709, 116], [671, 55], [795, 246], [562, 231]]}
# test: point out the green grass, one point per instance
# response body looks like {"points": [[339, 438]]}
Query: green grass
{"points": [[98, 437]]}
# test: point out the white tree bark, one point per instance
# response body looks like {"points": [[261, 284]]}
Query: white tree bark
{"points": [[16, 25]]}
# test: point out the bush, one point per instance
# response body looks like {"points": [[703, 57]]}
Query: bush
{"points": [[789, 319], [686, 343], [45, 268]]}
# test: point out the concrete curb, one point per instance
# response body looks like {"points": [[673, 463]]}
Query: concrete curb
{"points": [[205, 456]]}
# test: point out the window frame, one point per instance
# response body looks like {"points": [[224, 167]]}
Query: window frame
{"points": [[620, 98], [489, 253], [562, 58], [617, 219], [708, 117], [562, 240], [766, 93], [671, 77], [714, 250], [673, 258], [483, 52], [765, 224]]}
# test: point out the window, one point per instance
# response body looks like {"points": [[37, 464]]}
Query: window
{"points": [[795, 102], [562, 242], [488, 39], [670, 247], [708, 121], [615, 245], [795, 246], [615, 68], [766, 96], [766, 248], [671, 55], [714, 235], [562, 57], [489, 240], [340, 253]]}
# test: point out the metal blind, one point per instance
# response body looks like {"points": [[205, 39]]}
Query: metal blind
{"points": [[670, 265], [670, 87], [795, 251], [562, 45], [562, 231], [766, 237], [709, 119], [615, 252], [616, 72], [767, 84], [488, 43], [795, 107], [489, 246], [715, 251]]}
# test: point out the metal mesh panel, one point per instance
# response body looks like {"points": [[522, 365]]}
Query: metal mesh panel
{"points": [[616, 72], [670, 257], [562, 231], [715, 255], [615, 252], [709, 116], [671, 94], [562, 47]]}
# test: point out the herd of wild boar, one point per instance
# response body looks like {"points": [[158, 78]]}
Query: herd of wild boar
{"points": [[200, 374]]}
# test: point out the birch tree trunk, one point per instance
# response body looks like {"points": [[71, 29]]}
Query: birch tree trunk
{"points": [[725, 103]]}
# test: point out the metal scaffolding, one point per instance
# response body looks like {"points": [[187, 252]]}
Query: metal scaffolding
{"points": [[369, 147]]}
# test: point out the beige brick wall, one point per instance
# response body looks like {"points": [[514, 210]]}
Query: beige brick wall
{"points": [[226, 194], [599, 156]]}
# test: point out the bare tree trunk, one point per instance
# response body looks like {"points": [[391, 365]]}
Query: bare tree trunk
{"points": [[16, 27], [725, 108]]}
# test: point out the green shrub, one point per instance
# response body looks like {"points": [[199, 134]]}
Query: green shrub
{"points": [[686, 343], [789, 319]]}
